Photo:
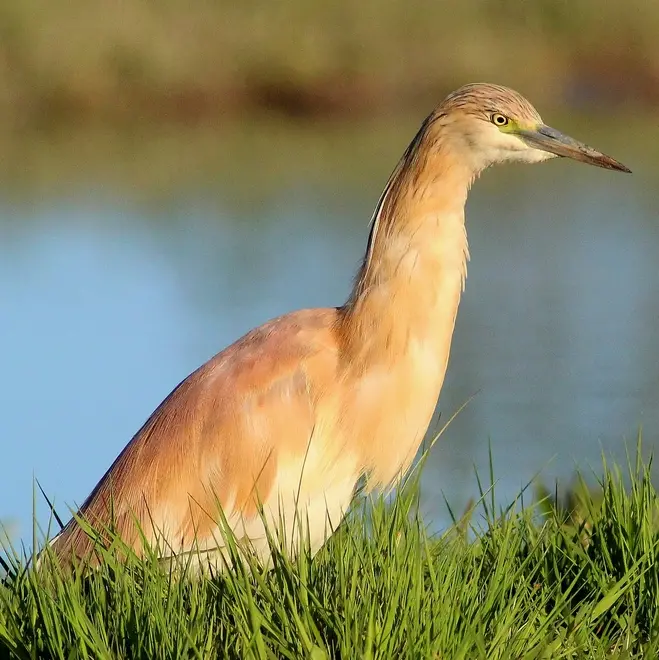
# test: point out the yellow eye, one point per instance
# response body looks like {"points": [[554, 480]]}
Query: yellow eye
{"points": [[499, 119]]}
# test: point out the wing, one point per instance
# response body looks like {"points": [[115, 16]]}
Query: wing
{"points": [[216, 438]]}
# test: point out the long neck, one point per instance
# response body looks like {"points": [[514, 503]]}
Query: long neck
{"points": [[409, 286]]}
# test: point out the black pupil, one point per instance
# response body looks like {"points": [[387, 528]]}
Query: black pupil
{"points": [[501, 120]]}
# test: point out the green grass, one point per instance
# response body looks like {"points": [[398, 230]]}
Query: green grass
{"points": [[530, 582]]}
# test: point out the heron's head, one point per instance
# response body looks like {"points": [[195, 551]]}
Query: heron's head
{"points": [[490, 124]]}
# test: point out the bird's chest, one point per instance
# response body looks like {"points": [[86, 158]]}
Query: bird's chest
{"points": [[398, 370], [391, 407]]}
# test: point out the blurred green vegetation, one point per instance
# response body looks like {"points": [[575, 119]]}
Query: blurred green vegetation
{"points": [[243, 164], [138, 59]]}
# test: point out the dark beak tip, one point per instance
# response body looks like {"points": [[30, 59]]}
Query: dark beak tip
{"points": [[602, 160], [611, 164], [619, 167]]}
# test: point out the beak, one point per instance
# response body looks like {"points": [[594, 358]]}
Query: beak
{"points": [[549, 139]]}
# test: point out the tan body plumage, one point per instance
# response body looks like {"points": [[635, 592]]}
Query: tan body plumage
{"points": [[294, 413]]}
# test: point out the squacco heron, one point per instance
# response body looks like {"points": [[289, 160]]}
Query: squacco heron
{"points": [[283, 423]]}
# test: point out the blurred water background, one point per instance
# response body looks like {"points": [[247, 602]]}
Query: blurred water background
{"points": [[170, 179]]}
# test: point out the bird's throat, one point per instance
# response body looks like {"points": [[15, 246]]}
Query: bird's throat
{"points": [[409, 287], [397, 326]]}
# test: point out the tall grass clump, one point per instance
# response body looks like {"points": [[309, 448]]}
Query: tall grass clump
{"points": [[546, 581]]}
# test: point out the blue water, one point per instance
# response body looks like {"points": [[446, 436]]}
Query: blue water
{"points": [[108, 300]]}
